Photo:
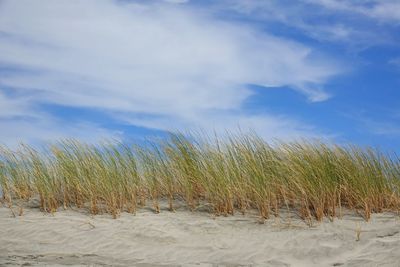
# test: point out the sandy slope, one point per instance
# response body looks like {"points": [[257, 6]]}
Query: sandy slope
{"points": [[193, 239]]}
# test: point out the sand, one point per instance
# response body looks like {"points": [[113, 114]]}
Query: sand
{"points": [[184, 238]]}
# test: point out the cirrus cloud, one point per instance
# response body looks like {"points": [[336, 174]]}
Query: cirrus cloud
{"points": [[157, 59]]}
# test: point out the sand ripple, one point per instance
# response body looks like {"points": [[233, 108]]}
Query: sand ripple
{"points": [[193, 239]]}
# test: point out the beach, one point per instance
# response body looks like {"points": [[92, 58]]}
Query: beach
{"points": [[200, 133], [185, 238]]}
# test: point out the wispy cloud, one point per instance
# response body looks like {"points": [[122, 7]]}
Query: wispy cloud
{"points": [[377, 125], [358, 24], [395, 62], [382, 127], [267, 125], [383, 10], [159, 59], [47, 128]]}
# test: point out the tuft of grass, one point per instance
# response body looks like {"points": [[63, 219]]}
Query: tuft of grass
{"points": [[235, 173]]}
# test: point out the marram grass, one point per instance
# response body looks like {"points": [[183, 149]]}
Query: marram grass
{"points": [[230, 175]]}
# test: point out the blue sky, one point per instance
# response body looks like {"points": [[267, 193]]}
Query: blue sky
{"points": [[90, 69]]}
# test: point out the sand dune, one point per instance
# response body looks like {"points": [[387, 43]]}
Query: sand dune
{"points": [[184, 238]]}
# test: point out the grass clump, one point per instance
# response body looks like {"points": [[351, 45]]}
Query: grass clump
{"points": [[236, 173]]}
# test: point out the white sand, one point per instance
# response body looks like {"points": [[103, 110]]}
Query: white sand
{"points": [[193, 239]]}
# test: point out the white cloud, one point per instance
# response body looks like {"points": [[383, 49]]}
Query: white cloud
{"points": [[353, 23], [177, 1], [388, 11], [156, 59], [266, 125], [383, 10], [47, 129], [11, 107]]}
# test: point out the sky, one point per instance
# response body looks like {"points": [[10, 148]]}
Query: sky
{"points": [[127, 70]]}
